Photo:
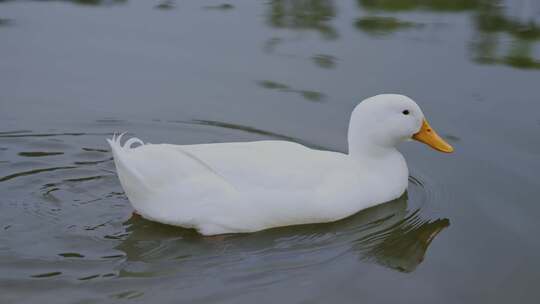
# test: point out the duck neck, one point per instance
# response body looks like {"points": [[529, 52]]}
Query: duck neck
{"points": [[382, 156], [386, 166], [370, 151], [366, 145]]}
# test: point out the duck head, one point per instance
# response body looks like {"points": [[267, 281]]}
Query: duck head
{"points": [[383, 121]]}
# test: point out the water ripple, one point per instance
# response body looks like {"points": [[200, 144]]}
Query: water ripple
{"points": [[35, 171]]}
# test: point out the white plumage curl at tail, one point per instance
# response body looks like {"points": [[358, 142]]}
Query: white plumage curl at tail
{"points": [[132, 181]]}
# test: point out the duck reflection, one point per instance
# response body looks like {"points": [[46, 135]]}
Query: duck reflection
{"points": [[388, 235], [404, 245]]}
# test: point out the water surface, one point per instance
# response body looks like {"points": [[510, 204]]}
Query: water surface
{"points": [[74, 72]]}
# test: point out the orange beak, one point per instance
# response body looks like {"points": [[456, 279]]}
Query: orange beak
{"points": [[428, 136]]}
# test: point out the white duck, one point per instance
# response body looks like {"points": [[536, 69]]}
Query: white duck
{"points": [[250, 186]]}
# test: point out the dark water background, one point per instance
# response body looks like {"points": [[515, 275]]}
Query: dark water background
{"points": [[74, 72]]}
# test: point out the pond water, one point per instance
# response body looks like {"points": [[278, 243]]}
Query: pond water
{"points": [[74, 72]]}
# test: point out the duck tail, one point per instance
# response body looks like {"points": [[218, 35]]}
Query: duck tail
{"points": [[131, 180]]}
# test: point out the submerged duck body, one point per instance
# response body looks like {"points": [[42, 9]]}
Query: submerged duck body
{"points": [[250, 186]]}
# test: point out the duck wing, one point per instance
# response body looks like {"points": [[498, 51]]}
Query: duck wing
{"points": [[148, 170], [270, 165]]}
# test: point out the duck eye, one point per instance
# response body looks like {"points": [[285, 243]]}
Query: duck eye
{"points": [[405, 112]]}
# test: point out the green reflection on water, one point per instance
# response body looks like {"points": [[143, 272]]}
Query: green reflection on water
{"points": [[380, 26], [308, 95], [84, 2], [47, 274], [433, 5], [492, 24], [128, 295], [97, 2], [5, 22], [325, 61], [492, 27], [165, 5], [304, 15], [221, 7]]}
